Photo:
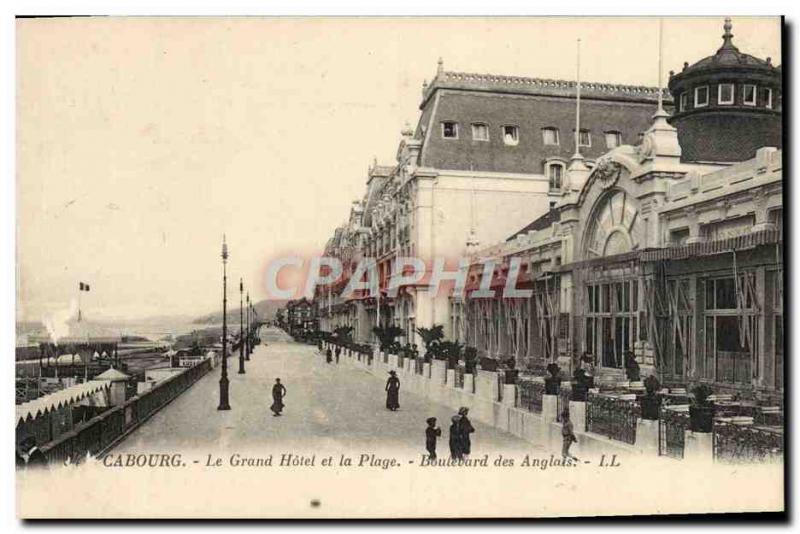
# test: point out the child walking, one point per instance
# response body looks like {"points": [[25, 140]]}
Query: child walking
{"points": [[567, 435], [431, 433]]}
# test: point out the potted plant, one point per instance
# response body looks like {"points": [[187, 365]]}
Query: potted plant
{"points": [[580, 385], [552, 383], [386, 335], [449, 351], [701, 410], [488, 364], [470, 359], [651, 402], [430, 337]]}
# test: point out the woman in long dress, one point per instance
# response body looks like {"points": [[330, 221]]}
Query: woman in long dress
{"points": [[278, 392], [393, 391], [465, 428]]}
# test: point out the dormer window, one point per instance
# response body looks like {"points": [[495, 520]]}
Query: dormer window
{"points": [[450, 130], [511, 135], [480, 132], [613, 139], [550, 136], [749, 95], [584, 138], [725, 94], [555, 175], [768, 98], [701, 96], [683, 102]]}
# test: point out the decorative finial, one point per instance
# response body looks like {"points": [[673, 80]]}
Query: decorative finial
{"points": [[424, 84], [440, 67], [407, 131], [727, 36], [224, 248]]}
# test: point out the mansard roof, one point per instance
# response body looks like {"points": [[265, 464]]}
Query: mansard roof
{"points": [[495, 83]]}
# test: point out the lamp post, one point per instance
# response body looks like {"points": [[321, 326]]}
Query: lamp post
{"points": [[249, 348], [241, 329], [223, 381]]}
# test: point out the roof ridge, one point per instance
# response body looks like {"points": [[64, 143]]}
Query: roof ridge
{"points": [[545, 82]]}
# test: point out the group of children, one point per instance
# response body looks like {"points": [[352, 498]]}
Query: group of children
{"points": [[461, 428]]}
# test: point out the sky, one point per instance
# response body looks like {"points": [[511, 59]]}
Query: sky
{"points": [[140, 141]]}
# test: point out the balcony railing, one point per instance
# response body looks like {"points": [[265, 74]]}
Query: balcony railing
{"points": [[612, 417]]}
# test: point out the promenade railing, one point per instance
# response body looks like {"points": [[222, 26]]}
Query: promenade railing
{"points": [[100, 433]]}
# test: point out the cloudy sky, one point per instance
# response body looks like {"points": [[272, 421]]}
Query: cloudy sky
{"points": [[140, 141]]}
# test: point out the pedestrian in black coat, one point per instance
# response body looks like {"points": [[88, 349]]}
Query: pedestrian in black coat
{"points": [[465, 428], [431, 433], [456, 451]]}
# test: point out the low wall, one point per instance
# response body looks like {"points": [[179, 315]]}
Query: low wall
{"points": [[480, 394]]}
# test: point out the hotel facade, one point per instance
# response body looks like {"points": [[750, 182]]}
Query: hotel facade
{"points": [[660, 234]]}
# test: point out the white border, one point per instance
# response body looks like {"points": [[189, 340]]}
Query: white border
{"points": [[304, 8]]}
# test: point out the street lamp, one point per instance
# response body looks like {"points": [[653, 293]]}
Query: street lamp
{"points": [[223, 381], [241, 329], [249, 348]]}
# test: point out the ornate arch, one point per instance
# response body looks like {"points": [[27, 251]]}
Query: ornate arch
{"points": [[614, 225]]}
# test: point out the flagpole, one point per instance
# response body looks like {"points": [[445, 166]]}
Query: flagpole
{"points": [[578, 103]]}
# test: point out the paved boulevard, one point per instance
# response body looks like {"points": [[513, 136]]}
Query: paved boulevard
{"points": [[329, 409]]}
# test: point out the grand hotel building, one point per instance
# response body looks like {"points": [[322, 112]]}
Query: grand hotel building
{"points": [[660, 234]]}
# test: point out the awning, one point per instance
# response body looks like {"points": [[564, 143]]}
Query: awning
{"points": [[742, 242]]}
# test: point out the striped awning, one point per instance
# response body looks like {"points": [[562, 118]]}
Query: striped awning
{"points": [[742, 242]]}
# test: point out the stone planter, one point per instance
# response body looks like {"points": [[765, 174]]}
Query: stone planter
{"points": [[651, 405], [701, 418], [552, 385]]}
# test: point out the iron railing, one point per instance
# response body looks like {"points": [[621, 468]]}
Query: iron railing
{"points": [[562, 402], [745, 443], [103, 431], [612, 417], [672, 426], [530, 395]]}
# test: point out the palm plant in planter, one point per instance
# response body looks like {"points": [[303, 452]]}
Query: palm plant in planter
{"points": [[701, 411], [470, 359], [450, 351], [651, 402], [431, 337], [386, 335], [552, 383], [343, 334]]}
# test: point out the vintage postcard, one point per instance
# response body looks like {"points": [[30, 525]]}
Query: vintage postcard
{"points": [[399, 267]]}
